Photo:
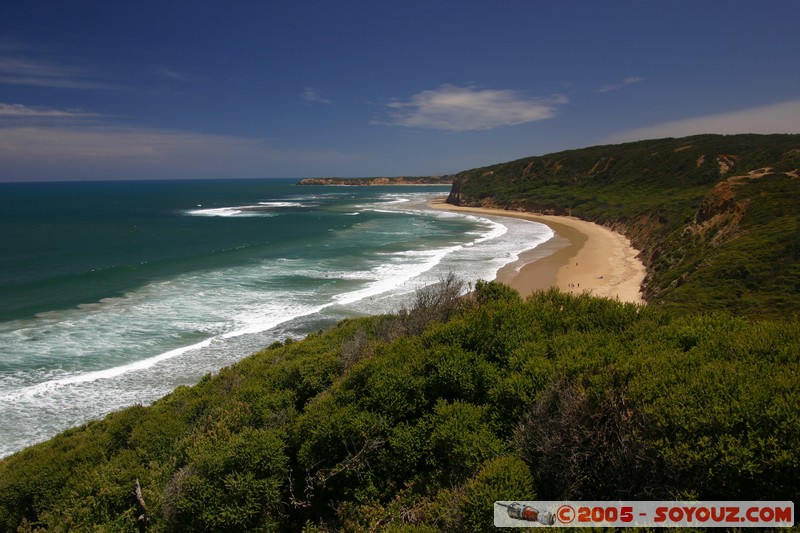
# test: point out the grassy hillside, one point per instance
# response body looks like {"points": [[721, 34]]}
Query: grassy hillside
{"points": [[426, 417], [717, 218]]}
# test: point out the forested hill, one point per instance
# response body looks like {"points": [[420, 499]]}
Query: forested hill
{"points": [[717, 218]]}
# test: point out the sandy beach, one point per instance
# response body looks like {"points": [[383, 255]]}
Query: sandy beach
{"points": [[582, 257]]}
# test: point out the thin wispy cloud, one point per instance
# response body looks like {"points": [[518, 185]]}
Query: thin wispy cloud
{"points": [[173, 75], [113, 142], [312, 96], [458, 109], [24, 70], [19, 111], [617, 86], [783, 117]]}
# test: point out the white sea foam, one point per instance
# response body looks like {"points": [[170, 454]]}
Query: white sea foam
{"points": [[390, 277], [393, 199], [49, 386], [215, 212], [287, 204], [261, 209]]}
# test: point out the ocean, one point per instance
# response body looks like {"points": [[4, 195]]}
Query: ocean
{"points": [[116, 293]]}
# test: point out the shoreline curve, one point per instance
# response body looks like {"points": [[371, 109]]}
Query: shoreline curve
{"points": [[583, 257]]}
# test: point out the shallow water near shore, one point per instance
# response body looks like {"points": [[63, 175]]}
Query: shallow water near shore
{"points": [[113, 294]]}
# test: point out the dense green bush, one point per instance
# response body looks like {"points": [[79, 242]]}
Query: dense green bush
{"points": [[231, 481], [557, 396], [506, 475]]}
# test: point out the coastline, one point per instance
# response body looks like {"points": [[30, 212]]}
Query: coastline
{"points": [[582, 257]]}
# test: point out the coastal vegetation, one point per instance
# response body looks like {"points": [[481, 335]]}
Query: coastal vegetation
{"points": [[716, 217], [428, 416], [421, 419]]}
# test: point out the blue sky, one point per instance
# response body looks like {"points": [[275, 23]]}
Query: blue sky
{"points": [[246, 89]]}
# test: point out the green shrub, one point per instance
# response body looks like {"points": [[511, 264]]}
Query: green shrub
{"points": [[598, 398], [231, 482], [502, 478]]}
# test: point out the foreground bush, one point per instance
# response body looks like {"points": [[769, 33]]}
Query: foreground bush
{"points": [[370, 425]]}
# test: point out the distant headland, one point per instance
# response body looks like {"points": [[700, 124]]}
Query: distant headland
{"points": [[396, 180]]}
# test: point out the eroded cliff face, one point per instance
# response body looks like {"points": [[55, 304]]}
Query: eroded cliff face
{"points": [[456, 197], [719, 217]]}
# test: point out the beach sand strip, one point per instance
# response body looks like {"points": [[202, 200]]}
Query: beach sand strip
{"points": [[582, 257]]}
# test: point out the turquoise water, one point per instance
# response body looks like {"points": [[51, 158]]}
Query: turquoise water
{"points": [[115, 293]]}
